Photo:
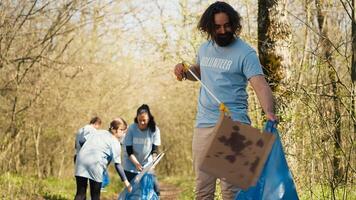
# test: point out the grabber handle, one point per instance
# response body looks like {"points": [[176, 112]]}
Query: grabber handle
{"points": [[222, 106]]}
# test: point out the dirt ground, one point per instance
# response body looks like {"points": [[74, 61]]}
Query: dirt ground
{"points": [[168, 192]]}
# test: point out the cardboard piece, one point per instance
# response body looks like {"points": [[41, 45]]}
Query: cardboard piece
{"points": [[237, 152]]}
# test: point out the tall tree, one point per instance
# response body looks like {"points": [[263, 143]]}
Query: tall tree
{"points": [[353, 68], [273, 40], [327, 58], [353, 65]]}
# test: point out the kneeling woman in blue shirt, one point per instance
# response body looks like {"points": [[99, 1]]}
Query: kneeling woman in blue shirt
{"points": [[93, 158]]}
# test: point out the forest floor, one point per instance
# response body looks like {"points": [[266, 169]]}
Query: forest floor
{"points": [[169, 191]]}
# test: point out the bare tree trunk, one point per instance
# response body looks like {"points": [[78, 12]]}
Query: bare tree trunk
{"points": [[305, 57], [328, 59], [36, 139], [353, 82], [63, 158], [273, 40], [61, 164], [353, 66]]}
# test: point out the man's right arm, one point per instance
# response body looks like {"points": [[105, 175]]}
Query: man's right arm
{"points": [[264, 95]]}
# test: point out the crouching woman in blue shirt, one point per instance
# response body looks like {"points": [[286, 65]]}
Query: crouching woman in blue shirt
{"points": [[93, 158], [141, 142]]}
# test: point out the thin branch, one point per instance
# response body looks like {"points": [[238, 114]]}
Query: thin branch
{"points": [[316, 32], [347, 11]]}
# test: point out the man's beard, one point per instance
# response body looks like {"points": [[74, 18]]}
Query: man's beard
{"points": [[225, 39]]}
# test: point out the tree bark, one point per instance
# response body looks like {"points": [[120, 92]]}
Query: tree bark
{"points": [[274, 40], [36, 139], [353, 65], [326, 51]]}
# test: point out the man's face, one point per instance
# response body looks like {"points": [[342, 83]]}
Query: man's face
{"points": [[223, 34]]}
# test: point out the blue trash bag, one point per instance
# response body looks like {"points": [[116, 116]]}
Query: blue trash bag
{"points": [[144, 190], [106, 179], [275, 182]]}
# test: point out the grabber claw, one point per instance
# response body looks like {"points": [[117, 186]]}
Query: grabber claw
{"points": [[185, 66], [224, 108]]}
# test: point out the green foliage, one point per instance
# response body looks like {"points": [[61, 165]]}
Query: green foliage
{"points": [[15, 186], [24, 187], [54, 197], [324, 192], [55, 188]]}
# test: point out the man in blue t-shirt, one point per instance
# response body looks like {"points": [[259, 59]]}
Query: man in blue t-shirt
{"points": [[225, 64]]}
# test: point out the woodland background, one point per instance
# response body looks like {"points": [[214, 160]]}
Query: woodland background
{"points": [[62, 62]]}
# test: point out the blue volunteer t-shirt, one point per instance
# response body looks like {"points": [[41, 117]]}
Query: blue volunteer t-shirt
{"points": [[80, 137], [99, 149], [225, 71], [141, 141]]}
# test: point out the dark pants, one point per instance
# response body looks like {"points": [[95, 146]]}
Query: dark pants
{"points": [[131, 175], [82, 184]]}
